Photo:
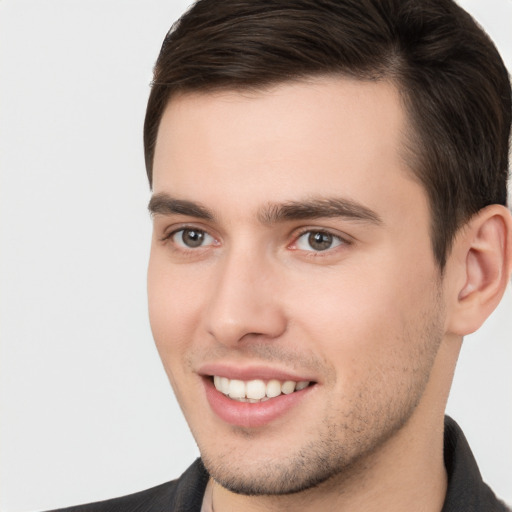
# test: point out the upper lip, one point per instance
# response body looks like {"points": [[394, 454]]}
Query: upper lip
{"points": [[251, 372]]}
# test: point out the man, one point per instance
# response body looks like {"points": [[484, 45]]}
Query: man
{"points": [[329, 205]]}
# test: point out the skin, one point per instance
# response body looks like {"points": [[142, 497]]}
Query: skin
{"points": [[370, 319]]}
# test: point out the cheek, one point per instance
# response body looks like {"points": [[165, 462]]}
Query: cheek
{"points": [[174, 303], [174, 306], [367, 316]]}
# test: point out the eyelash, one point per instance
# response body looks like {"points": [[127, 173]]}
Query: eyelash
{"points": [[311, 253]]}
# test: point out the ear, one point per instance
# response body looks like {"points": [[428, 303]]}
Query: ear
{"points": [[480, 268]]}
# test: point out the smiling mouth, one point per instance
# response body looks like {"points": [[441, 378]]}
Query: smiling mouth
{"points": [[257, 390]]}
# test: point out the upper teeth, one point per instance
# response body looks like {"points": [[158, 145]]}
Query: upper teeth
{"points": [[256, 389]]}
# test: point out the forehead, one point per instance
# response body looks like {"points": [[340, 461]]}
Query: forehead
{"points": [[323, 136]]}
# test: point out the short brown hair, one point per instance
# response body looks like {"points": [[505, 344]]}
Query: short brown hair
{"points": [[454, 84]]}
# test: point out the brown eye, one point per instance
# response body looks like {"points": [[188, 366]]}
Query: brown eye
{"points": [[191, 238], [320, 241], [317, 241]]}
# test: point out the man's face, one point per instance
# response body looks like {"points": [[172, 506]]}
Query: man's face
{"points": [[292, 245]]}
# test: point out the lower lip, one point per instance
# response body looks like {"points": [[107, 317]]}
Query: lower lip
{"points": [[245, 414]]}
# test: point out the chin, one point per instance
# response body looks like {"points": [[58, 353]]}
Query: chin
{"points": [[335, 454], [271, 479], [313, 465]]}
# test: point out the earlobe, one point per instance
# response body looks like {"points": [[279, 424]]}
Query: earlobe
{"points": [[485, 253]]}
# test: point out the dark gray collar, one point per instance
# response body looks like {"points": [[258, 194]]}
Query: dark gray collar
{"points": [[466, 490]]}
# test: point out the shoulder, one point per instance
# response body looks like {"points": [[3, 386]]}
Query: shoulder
{"points": [[184, 494], [149, 499]]}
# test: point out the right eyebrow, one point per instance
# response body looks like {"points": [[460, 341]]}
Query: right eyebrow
{"points": [[164, 204]]}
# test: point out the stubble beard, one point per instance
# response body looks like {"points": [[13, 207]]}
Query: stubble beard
{"points": [[345, 443], [326, 461]]}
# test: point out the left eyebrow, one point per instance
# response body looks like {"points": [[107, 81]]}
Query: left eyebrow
{"points": [[316, 209]]}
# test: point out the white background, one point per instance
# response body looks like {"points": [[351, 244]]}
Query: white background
{"points": [[86, 410]]}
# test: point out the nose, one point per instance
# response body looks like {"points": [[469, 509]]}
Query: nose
{"points": [[245, 301]]}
